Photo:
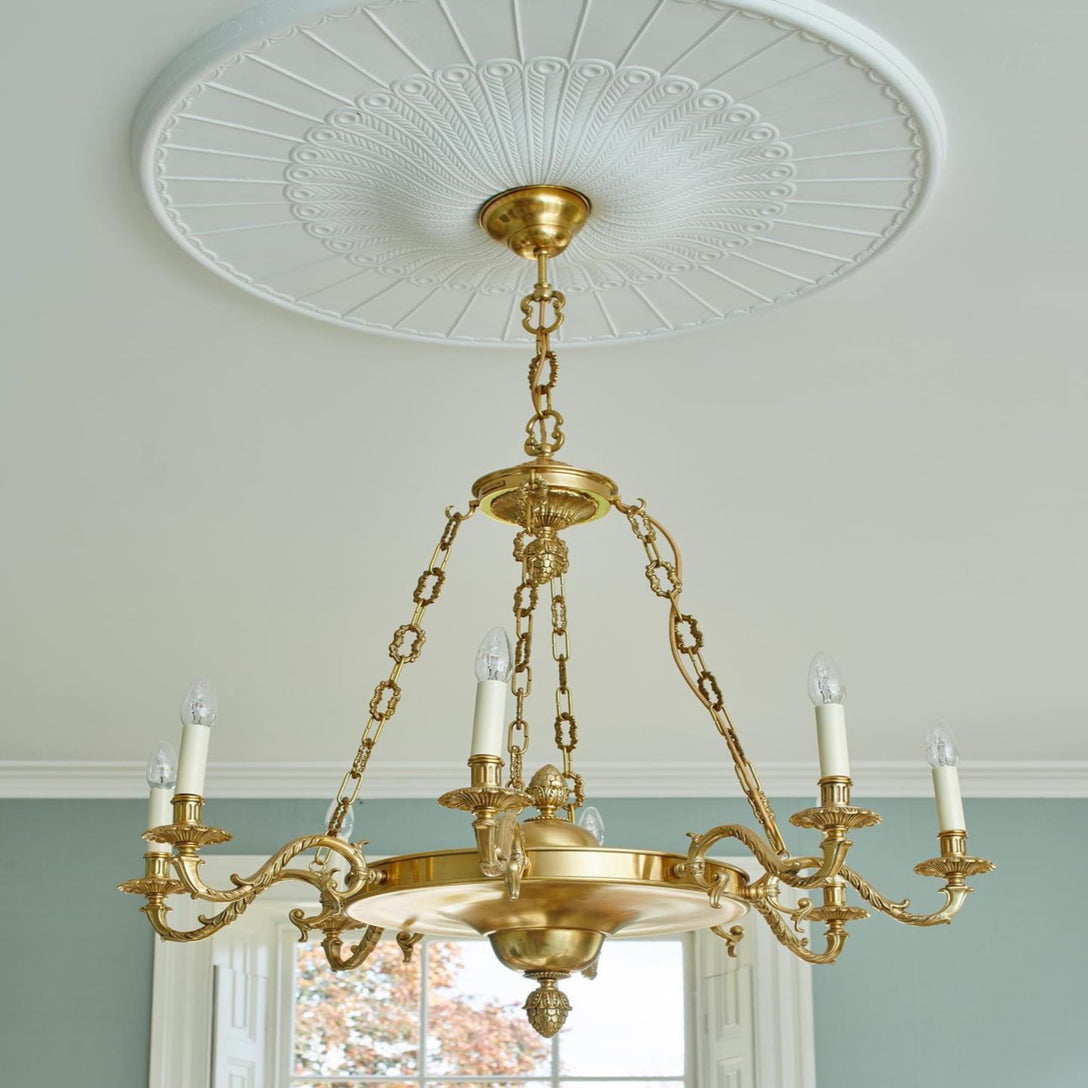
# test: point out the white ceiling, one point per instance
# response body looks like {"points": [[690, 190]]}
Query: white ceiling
{"points": [[892, 470]]}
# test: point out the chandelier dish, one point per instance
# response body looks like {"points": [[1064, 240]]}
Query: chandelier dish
{"points": [[542, 889]]}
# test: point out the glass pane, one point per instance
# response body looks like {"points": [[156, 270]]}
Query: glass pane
{"points": [[356, 1023], [354, 1084], [490, 1084], [475, 1023], [621, 1084], [638, 995]]}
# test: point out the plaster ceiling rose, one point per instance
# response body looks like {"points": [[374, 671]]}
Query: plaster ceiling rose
{"points": [[334, 159]]}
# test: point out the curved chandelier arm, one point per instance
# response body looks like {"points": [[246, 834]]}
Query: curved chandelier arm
{"points": [[784, 869], [333, 946], [955, 895], [358, 877], [156, 911], [834, 935]]}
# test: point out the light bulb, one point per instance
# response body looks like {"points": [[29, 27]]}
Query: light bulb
{"points": [[824, 683], [162, 767], [199, 705], [495, 656], [941, 750], [348, 824], [591, 819]]}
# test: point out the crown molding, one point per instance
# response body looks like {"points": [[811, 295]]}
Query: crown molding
{"points": [[124, 778]]}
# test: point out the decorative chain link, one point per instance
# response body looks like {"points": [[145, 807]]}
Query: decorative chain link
{"points": [[405, 648], [545, 427], [686, 639], [521, 679], [566, 725]]}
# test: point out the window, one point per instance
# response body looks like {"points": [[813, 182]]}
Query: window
{"points": [[254, 1009], [456, 1012]]}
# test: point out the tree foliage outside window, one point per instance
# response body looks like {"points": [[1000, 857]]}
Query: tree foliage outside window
{"points": [[368, 1022], [455, 1013]]}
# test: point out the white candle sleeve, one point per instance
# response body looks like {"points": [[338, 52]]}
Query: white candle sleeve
{"points": [[831, 740], [489, 719], [193, 760], [158, 814], [946, 786]]}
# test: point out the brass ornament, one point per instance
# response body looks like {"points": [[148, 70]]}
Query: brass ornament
{"points": [[547, 1007], [407, 943], [548, 791], [535, 219], [546, 557]]}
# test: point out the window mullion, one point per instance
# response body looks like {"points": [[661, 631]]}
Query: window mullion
{"points": [[424, 1008], [555, 1061]]}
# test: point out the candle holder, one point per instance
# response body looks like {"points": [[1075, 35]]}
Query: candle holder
{"points": [[157, 882], [954, 863], [187, 832], [835, 815], [489, 800]]}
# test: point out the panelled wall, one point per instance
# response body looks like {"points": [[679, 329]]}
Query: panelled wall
{"points": [[994, 1001]]}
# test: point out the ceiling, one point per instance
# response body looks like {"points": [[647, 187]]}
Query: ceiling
{"points": [[891, 470]]}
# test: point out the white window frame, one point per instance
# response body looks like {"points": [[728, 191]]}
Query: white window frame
{"points": [[183, 978]]}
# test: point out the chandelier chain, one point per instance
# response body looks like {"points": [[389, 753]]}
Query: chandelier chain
{"points": [[665, 576], [566, 725], [405, 647], [545, 426], [521, 679]]}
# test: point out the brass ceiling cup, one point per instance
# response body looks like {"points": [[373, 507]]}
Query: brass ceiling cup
{"points": [[535, 220]]}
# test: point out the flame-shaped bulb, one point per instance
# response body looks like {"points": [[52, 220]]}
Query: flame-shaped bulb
{"points": [[347, 826], [162, 767], [941, 749], [495, 656], [824, 682], [200, 704]]}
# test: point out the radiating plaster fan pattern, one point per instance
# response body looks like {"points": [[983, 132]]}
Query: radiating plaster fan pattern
{"points": [[734, 160]]}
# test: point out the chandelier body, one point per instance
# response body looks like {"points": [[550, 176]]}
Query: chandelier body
{"points": [[542, 890]]}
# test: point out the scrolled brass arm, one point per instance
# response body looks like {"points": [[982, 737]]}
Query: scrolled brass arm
{"points": [[333, 945], [157, 910], [358, 877], [954, 898], [834, 935], [785, 869]]}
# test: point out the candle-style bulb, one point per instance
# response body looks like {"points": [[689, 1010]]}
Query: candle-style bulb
{"points": [[941, 750], [162, 767], [347, 825], [495, 656], [200, 704], [824, 682]]}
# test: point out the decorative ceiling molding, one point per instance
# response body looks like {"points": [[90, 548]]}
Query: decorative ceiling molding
{"points": [[333, 158], [120, 779]]}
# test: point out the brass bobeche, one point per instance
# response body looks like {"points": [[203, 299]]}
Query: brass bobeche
{"points": [[541, 889]]}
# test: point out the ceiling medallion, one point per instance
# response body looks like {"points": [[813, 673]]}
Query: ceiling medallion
{"points": [[736, 157], [544, 890]]}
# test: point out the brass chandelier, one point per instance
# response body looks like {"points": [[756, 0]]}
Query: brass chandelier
{"points": [[542, 889]]}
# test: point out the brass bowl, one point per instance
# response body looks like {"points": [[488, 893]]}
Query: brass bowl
{"points": [[595, 890]]}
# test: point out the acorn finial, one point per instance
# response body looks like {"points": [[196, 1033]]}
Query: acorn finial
{"points": [[547, 1007]]}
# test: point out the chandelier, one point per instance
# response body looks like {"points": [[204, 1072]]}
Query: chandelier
{"points": [[540, 887]]}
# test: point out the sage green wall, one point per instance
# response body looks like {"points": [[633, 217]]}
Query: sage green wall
{"points": [[995, 1001]]}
